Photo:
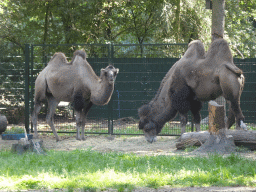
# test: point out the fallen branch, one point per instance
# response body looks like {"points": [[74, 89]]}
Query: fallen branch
{"points": [[189, 139]]}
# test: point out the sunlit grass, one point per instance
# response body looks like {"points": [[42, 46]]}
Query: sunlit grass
{"points": [[87, 169]]}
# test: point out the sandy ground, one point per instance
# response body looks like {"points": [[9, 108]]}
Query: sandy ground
{"points": [[104, 143], [127, 144]]}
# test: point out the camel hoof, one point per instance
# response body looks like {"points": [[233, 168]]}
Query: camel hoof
{"points": [[243, 125], [83, 138], [35, 137], [57, 139]]}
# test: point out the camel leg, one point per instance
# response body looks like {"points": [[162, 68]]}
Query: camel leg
{"points": [[235, 107], [34, 118], [183, 122], [231, 118], [195, 110], [52, 105], [197, 119], [232, 86], [85, 112], [79, 123]]}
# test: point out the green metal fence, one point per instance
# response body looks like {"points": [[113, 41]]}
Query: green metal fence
{"points": [[142, 67], [12, 83]]}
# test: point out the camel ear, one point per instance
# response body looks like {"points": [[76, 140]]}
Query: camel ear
{"points": [[103, 72]]}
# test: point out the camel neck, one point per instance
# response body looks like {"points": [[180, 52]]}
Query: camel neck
{"points": [[100, 89], [101, 95], [165, 114]]}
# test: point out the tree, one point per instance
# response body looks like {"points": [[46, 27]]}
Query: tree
{"points": [[218, 19], [103, 21], [217, 140], [240, 27]]}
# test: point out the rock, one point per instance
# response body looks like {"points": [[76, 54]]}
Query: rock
{"points": [[3, 123]]}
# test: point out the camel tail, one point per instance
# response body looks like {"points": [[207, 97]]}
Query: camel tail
{"points": [[234, 69]]}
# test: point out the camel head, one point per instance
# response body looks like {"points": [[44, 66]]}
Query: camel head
{"points": [[109, 74], [147, 124]]}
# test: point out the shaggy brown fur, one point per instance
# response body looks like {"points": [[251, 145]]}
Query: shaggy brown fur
{"points": [[196, 77]]}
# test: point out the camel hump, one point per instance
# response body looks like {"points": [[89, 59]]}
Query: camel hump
{"points": [[197, 42], [195, 47], [234, 69], [58, 58], [220, 48], [80, 53]]}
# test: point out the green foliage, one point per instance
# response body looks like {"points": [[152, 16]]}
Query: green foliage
{"points": [[58, 22], [240, 27], [91, 170], [164, 21], [14, 130]]}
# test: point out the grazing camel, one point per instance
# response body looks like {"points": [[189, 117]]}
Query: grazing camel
{"points": [[196, 77], [74, 82]]}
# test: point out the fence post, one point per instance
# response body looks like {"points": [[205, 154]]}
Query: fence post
{"points": [[27, 88], [110, 104], [31, 82]]}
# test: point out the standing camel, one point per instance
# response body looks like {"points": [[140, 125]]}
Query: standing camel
{"points": [[196, 77], [74, 82]]}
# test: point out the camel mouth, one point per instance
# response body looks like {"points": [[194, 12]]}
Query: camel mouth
{"points": [[151, 139], [112, 81]]}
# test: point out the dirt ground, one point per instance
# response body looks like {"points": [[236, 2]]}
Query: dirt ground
{"points": [[128, 144]]}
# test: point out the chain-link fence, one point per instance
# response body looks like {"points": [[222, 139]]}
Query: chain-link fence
{"points": [[142, 68], [12, 84]]}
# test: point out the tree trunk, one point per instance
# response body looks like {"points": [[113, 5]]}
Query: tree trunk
{"points": [[216, 114], [177, 21], [218, 23], [217, 140], [218, 19], [46, 20]]}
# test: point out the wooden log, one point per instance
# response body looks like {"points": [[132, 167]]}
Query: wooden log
{"points": [[187, 143], [202, 136]]}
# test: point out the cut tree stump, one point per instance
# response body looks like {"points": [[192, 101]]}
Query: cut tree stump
{"points": [[216, 140], [33, 145]]}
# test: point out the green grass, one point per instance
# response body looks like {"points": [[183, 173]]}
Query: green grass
{"points": [[14, 130], [87, 169]]}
